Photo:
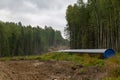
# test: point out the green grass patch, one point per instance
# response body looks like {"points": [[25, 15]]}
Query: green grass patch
{"points": [[85, 60]]}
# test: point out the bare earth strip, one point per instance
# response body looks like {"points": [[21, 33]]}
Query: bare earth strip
{"points": [[47, 70]]}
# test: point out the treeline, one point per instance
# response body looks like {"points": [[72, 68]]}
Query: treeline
{"points": [[18, 40], [95, 24]]}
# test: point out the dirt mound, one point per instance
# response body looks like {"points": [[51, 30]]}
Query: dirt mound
{"points": [[47, 70]]}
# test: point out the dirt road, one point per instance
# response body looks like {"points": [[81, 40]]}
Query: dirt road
{"points": [[47, 70]]}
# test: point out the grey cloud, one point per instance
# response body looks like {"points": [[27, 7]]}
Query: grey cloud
{"points": [[49, 4], [17, 6], [10, 4], [22, 5]]}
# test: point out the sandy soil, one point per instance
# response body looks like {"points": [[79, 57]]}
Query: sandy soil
{"points": [[48, 70]]}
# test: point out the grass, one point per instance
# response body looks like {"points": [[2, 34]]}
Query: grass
{"points": [[19, 58], [85, 60], [111, 78], [113, 66]]}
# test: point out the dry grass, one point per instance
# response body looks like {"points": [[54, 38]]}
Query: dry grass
{"points": [[112, 66]]}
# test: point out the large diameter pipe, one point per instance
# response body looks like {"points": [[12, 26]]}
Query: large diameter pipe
{"points": [[106, 52]]}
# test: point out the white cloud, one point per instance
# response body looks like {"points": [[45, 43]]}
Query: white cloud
{"points": [[4, 13]]}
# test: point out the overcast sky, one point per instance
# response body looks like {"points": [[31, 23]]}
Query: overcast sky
{"points": [[36, 12]]}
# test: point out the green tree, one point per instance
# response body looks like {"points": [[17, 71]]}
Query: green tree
{"points": [[94, 24]]}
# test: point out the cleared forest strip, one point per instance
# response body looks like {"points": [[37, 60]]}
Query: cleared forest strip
{"points": [[59, 66]]}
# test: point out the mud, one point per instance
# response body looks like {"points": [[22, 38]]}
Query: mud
{"points": [[48, 70]]}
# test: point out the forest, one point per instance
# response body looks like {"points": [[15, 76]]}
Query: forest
{"points": [[19, 40], [34, 52], [95, 24]]}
